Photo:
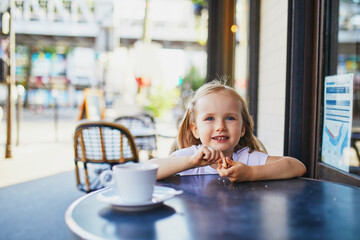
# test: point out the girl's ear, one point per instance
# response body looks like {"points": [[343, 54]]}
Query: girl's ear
{"points": [[243, 131], [194, 130]]}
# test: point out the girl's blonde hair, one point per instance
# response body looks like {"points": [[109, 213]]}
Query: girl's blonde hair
{"points": [[187, 139]]}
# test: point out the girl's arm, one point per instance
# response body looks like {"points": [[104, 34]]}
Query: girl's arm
{"points": [[275, 168], [171, 165]]}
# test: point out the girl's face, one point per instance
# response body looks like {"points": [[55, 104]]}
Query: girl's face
{"points": [[218, 122]]}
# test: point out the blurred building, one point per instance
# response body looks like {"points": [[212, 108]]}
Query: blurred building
{"points": [[71, 45], [276, 53]]}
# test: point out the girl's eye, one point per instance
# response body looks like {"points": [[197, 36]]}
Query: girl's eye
{"points": [[209, 118], [230, 118]]}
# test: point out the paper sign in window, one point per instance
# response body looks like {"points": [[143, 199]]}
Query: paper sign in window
{"points": [[338, 104]]}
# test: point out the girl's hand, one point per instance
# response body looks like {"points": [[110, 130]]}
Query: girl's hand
{"points": [[206, 156], [236, 171], [274, 168], [224, 163]]}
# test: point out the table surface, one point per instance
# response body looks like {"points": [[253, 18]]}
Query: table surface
{"points": [[35, 209], [211, 207]]}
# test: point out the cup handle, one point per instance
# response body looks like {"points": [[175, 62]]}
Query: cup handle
{"points": [[107, 178]]}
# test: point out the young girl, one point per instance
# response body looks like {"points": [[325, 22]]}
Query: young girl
{"points": [[216, 136]]}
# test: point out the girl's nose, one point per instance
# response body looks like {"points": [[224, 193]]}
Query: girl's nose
{"points": [[220, 126]]}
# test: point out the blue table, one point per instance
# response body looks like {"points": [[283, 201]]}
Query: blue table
{"points": [[214, 208], [35, 209]]}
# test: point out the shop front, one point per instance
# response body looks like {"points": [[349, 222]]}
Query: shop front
{"points": [[323, 76]]}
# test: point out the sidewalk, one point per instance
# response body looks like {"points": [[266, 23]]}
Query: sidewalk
{"points": [[43, 151]]}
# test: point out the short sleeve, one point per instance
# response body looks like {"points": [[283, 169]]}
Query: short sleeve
{"points": [[254, 158], [185, 151], [257, 158]]}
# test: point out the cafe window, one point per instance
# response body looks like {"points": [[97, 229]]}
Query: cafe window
{"points": [[241, 46], [341, 39]]}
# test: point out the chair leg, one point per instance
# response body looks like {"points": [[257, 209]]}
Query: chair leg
{"points": [[77, 174]]}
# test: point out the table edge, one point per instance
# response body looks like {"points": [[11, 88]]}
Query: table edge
{"points": [[71, 223], [327, 181]]}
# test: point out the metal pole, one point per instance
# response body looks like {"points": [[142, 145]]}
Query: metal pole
{"points": [[146, 38], [10, 81], [8, 153]]}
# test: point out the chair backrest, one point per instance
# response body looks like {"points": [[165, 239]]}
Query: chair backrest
{"points": [[104, 142], [140, 122], [174, 147], [149, 119], [131, 122]]}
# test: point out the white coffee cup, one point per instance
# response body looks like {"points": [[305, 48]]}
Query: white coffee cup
{"points": [[133, 182]]}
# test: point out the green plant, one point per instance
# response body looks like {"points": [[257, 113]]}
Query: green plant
{"points": [[193, 79], [200, 2], [161, 100]]}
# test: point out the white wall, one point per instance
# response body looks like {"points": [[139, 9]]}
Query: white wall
{"points": [[272, 75]]}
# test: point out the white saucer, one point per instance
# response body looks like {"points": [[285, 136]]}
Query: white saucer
{"points": [[160, 195]]}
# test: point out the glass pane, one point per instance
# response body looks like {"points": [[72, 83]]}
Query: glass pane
{"points": [[347, 52], [241, 46]]}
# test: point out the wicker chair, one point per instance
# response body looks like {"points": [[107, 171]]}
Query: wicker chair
{"points": [[148, 119], [146, 142], [100, 145]]}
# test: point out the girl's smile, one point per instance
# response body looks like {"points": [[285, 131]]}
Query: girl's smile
{"points": [[220, 138]]}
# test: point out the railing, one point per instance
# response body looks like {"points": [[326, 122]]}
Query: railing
{"points": [[57, 17], [55, 10]]}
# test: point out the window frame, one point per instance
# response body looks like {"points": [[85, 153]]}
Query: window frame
{"points": [[301, 91], [309, 59], [252, 85]]}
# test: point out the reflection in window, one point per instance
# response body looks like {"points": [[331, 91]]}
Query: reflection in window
{"points": [[348, 61]]}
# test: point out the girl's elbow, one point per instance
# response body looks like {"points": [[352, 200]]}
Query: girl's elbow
{"points": [[301, 169], [160, 176], [298, 167]]}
